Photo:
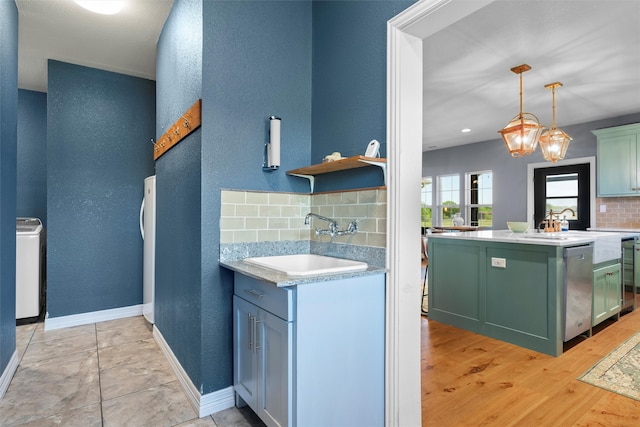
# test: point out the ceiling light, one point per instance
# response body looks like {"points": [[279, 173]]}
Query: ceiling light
{"points": [[554, 142], [103, 7], [465, 130], [522, 133]]}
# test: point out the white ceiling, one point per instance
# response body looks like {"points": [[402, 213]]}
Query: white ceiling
{"points": [[62, 30], [591, 46]]}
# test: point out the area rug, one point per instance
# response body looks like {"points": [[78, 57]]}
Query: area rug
{"points": [[619, 371]]}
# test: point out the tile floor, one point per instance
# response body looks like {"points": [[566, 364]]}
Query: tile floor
{"points": [[104, 374]]}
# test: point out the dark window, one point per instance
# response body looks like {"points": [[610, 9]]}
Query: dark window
{"points": [[563, 187]]}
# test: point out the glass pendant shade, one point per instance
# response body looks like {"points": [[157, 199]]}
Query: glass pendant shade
{"points": [[522, 133], [554, 142]]}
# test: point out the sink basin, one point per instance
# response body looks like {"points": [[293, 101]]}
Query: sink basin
{"points": [[304, 265], [547, 236]]}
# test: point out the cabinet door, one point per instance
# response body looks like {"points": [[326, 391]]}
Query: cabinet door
{"points": [[275, 364], [245, 358], [617, 160], [607, 292]]}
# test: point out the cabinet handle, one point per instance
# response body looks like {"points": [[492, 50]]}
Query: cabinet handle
{"points": [[254, 293], [255, 333], [250, 335]]}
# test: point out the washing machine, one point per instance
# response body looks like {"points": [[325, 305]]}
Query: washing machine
{"points": [[30, 254]]}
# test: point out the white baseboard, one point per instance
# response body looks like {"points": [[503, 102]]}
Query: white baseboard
{"points": [[203, 405], [51, 323], [8, 374]]}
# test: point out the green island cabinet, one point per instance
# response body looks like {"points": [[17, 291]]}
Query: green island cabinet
{"points": [[310, 355], [607, 291], [521, 303], [618, 161]]}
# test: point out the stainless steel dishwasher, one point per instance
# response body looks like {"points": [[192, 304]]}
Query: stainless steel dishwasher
{"points": [[578, 291]]}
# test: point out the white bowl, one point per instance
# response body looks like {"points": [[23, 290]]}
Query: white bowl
{"points": [[518, 227]]}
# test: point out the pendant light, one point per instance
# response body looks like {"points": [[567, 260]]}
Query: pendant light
{"points": [[522, 133], [554, 142]]}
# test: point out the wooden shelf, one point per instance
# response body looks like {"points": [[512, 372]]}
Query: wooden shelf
{"points": [[309, 172]]}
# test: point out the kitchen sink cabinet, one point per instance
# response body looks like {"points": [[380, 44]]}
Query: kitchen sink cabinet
{"points": [[311, 354], [607, 292], [618, 161]]}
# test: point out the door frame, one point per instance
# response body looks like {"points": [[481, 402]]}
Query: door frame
{"points": [[405, 33], [592, 184]]}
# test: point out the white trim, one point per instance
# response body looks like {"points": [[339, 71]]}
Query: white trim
{"points": [[51, 323], [579, 160], [404, 151], [8, 374], [203, 405]]}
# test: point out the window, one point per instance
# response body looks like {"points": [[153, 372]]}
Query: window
{"points": [[449, 198], [563, 187], [426, 203], [479, 192]]}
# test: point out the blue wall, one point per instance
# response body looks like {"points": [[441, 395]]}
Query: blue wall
{"points": [[257, 58], [32, 155], [178, 285], [99, 126], [349, 84], [510, 174], [8, 142]]}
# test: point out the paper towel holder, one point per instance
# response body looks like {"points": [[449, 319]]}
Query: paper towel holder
{"points": [[271, 161]]}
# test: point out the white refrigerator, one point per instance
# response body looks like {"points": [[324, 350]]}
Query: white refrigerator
{"points": [[148, 232]]}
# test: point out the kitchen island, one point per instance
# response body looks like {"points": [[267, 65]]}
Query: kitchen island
{"points": [[508, 286]]}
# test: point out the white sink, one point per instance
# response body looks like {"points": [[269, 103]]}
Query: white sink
{"points": [[303, 265], [606, 246]]}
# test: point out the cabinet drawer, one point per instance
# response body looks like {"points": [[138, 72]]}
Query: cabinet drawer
{"points": [[278, 301]]}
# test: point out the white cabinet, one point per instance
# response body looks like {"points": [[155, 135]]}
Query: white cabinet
{"points": [[313, 354]]}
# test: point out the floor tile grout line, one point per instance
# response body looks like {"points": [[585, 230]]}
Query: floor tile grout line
{"points": [[99, 376]]}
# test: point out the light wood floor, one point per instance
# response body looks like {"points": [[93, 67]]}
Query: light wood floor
{"points": [[471, 380]]}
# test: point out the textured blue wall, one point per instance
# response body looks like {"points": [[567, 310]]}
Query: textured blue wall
{"points": [[178, 280], [8, 142], [98, 154], [509, 174], [32, 155], [256, 63], [349, 84]]}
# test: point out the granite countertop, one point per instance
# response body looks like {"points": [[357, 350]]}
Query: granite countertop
{"points": [[564, 239], [282, 280]]}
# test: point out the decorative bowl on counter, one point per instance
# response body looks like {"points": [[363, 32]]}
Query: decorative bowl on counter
{"points": [[518, 227]]}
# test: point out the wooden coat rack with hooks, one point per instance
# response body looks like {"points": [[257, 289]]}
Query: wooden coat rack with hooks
{"points": [[182, 127]]}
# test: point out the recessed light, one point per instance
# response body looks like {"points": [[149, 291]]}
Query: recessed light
{"points": [[465, 130], [431, 147], [103, 7]]}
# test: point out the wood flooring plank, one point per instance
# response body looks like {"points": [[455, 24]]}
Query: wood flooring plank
{"points": [[472, 380]]}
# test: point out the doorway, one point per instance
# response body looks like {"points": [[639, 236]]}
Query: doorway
{"points": [[564, 190]]}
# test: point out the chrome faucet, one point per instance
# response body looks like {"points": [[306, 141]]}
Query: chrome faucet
{"points": [[333, 231]]}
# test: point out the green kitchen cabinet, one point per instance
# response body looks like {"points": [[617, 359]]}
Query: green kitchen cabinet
{"points": [[618, 161], [607, 292]]}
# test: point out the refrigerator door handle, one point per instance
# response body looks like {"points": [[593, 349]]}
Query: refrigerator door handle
{"points": [[141, 219]]}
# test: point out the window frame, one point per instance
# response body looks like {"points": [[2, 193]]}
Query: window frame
{"points": [[469, 205], [440, 206]]}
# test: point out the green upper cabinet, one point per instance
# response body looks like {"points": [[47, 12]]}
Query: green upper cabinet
{"points": [[618, 161]]}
